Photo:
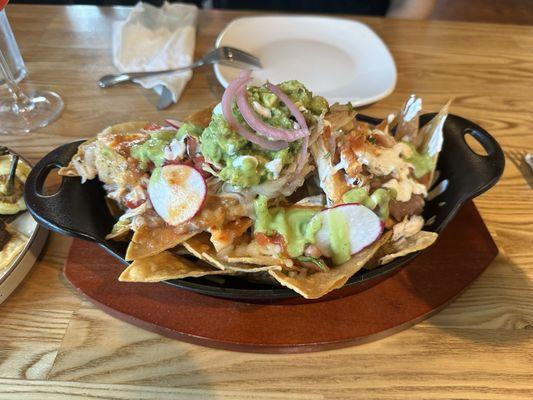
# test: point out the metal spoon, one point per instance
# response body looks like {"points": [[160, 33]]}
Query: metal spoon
{"points": [[221, 55]]}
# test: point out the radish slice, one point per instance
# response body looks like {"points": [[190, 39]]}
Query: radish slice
{"points": [[177, 192], [363, 226], [174, 123]]}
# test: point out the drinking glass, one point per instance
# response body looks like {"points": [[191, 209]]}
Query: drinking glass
{"points": [[21, 110]]}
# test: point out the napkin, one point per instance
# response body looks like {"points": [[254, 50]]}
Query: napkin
{"points": [[152, 39]]}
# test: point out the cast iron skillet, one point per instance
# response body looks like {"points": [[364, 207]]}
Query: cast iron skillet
{"points": [[79, 210]]}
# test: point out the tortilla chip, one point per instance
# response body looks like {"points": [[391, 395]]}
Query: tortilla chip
{"points": [[124, 127], [407, 128], [318, 284], [431, 137], [200, 246], [202, 117], [70, 170], [119, 233], [257, 260], [225, 236], [236, 267], [165, 266], [147, 241], [12, 248], [402, 247]]}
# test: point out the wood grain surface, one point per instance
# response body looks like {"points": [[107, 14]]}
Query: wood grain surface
{"points": [[54, 345]]}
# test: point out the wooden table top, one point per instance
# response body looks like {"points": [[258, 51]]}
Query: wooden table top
{"points": [[57, 345]]}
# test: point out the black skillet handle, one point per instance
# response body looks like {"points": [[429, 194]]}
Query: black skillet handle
{"points": [[76, 209], [474, 172], [464, 174]]}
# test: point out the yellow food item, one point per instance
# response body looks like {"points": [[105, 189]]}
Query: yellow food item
{"points": [[14, 202]]}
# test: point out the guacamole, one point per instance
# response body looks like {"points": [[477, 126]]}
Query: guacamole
{"points": [[297, 225], [243, 163], [153, 150]]}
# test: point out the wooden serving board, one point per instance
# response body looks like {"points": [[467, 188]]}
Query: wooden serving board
{"points": [[416, 291]]}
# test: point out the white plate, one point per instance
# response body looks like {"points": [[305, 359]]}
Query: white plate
{"points": [[339, 59]]}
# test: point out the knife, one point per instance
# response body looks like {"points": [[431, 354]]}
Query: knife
{"points": [[165, 99]]}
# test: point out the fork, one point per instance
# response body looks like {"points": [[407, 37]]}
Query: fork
{"points": [[523, 162], [222, 55]]}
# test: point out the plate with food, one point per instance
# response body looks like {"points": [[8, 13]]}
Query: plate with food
{"points": [[343, 60], [272, 193], [21, 238]]}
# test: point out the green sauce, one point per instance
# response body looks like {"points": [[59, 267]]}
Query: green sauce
{"points": [[422, 162], [297, 225], [339, 239], [380, 198]]}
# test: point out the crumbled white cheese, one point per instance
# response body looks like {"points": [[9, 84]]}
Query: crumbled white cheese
{"points": [[175, 150], [261, 110], [274, 167]]}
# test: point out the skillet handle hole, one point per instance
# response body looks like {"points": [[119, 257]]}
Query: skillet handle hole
{"points": [[473, 143], [49, 182]]}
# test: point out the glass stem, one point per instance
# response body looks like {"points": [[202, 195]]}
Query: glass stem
{"points": [[21, 102]]}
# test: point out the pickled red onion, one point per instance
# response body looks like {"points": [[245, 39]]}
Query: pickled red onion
{"points": [[227, 103], [258, 125], [290, 105]]}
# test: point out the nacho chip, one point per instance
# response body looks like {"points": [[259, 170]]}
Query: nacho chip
{"points": [[148, 241], [200, 246], [225, 236], [407, 128], [165, 266], [202, 117], [318, 284], [236, 267], [257, 260], [119, 232], [404, 246]]}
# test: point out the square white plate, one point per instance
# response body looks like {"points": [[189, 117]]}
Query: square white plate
{"points": [[340, 59]]}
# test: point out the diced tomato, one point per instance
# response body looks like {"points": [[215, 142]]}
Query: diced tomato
{"points": [[152, 126], [264, 240], [134, 204]]}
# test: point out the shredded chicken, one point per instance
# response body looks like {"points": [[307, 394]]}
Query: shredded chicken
{"points": [[408, 227]]}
